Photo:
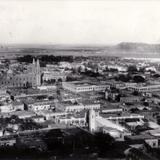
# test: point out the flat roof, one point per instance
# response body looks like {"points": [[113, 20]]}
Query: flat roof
{"points": [[87, 83], [21, 113], [140, 137], [30, 91]]}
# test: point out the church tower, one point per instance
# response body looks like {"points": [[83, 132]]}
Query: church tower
{"points": [[36, 71], [33, 61], [92, 121], [33, 66]]}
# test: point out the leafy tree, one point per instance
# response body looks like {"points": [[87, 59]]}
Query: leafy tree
{"points": [[135, 93], [26, 58], [124, 78], [139, 79], [132, 69], [104, 142], [156, 75]]}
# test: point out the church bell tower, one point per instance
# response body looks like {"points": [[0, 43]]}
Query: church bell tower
{"points": [[36, 71]]}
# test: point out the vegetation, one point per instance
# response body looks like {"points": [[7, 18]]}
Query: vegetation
{"points": [[132, 69], [138, 79], [56, 143], [44, 59]]}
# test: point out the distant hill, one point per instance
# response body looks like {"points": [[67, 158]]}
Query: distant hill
{"points": [[128, 49], [139, 47]]}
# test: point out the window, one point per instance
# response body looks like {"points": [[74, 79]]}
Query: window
{"points": [[154, 144]]}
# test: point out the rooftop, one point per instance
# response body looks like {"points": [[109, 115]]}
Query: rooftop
{"points": [[87, 83]]}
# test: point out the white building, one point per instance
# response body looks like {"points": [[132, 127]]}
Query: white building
{"points": [[54, 75], [78, 86], [77, 107], [11, 107], [22, 114], [151, 68], [112, 110], [76, 120], [47, 88], [147, 88], [118, 67], [6, 108], [39, 105], [48, 114], [38, 119], [65, 65], [4, 96]]}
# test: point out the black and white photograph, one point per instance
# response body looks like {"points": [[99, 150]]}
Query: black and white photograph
{"points": [[79, 80]]}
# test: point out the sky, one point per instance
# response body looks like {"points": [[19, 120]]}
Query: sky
{"points": [[79, 21]]}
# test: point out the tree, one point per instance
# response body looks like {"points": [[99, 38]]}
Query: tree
{"points": [[132, 69], [60, 80], [145, 103], [26, 58], [139, 79], [156, 75], [135, 93], [124, 78], [104, 142]]}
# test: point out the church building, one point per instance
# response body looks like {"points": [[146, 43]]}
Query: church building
{"points": [[31, 78]]}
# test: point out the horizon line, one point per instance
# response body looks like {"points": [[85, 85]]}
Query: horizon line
{"points": [[79, 44]]}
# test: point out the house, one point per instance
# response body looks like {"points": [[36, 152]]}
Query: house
{"points": [[13, 126], [6, 108], [152, 141], [77, 107], [39, 105], [8, 142], [1, 132], [136, 154], [77, 120], [47, 87], [48, 114], [23, 114], [4, 96], [18, 105], [111, 109], [38, 119], [130, 99]]}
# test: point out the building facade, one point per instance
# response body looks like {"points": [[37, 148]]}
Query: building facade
{"points": [[147, 88], [78, 86], [30, 78]]}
